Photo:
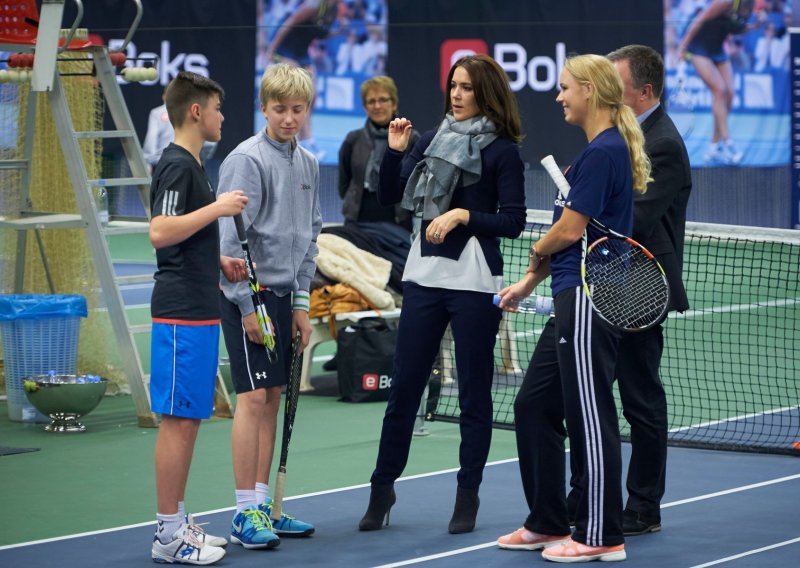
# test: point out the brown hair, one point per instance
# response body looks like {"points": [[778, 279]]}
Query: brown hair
{"points": [[185, 90], [645, 64], [379, 82], [493, 94]]}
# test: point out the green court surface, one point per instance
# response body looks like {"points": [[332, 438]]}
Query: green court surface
{"points": [[104, 477], [730, 368]]}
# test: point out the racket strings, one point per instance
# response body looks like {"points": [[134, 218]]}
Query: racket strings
{"points": [[626, 286]]}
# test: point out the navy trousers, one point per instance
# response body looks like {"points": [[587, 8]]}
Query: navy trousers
{"points": [[570, 379], [474, 322], [644, 405]]}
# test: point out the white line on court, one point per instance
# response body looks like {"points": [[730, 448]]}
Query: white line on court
{"points": [[748, 553], [705, 311], [734, 418], [737, 308], [440, 555], [214, 511], [421, 559]]}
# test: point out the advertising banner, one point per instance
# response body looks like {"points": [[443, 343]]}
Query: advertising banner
{"points": [[530, 40], [342, 43], [728, 80], [208, 37], [795, 139]]}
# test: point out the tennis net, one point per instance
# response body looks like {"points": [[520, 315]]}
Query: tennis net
{"points": [[730, 365]]}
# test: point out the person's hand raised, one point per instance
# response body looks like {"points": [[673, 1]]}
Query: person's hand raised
{"points": [[399, 134]]}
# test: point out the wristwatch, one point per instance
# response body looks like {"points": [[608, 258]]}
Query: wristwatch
{"points": [[533, 258]]}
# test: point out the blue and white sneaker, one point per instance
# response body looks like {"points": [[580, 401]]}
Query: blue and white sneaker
{"points": [[201, 535], [183, 548], [252, 529], [286, 526]]}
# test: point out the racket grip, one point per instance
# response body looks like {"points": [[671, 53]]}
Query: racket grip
{"points": [[552, 169], [277, 499], [240, 232]]}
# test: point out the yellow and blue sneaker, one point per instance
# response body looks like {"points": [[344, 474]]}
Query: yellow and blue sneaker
{"points": [[287, 525], [252, 529]]}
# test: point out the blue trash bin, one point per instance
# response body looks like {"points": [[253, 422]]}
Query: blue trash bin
{"points": [[40, 334]]}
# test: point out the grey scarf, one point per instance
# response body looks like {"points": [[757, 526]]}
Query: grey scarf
{"points": [[377, 137], [453, 157]]}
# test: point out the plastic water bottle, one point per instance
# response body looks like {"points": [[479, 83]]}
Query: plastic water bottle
{"points": [[101, 202], [542, 305]]}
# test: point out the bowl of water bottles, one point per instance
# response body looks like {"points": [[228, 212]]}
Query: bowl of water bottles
{"points": [[65, 398]]}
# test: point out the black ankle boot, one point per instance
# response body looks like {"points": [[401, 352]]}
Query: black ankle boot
{"points": [[465, 511], [381, 499]]}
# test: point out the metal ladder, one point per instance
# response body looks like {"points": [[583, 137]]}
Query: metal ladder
{"points": [[46, 78]]}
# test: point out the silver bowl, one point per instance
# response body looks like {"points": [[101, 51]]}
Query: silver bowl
{"points": [[64, 398]]}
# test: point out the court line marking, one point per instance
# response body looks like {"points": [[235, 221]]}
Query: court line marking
{"points": [[439, 555], [704, 311], [227, 509], [402, 479], [748, 553], [704, 497], [737, 308], [734, 418]]}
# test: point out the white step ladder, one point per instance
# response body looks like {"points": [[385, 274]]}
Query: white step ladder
{"points": [[45, 77]]}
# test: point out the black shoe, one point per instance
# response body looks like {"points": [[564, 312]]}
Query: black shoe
{"points": [[381, 499], [330, 364], [635, 524], [465, 511]]}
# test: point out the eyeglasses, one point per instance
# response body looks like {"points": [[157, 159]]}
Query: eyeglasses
{"points": [[378, 101]]}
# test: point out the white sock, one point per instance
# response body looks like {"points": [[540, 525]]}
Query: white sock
{"points": [[245, 498], [182, 508], [167, 525], [262, 492]]}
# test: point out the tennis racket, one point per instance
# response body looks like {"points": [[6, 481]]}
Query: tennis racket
{"points": [[264, 321], [681, 100], [290, 409], [624, 282]]}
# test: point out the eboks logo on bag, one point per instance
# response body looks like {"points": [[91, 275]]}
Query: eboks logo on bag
{"points": [[373, 382]]}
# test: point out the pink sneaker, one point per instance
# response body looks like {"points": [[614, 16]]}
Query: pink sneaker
{"points": [[572, 551], [523, 539]]}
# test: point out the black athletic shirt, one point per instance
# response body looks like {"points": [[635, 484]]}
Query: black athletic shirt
{"points": [[187, 277], [712, 34]]}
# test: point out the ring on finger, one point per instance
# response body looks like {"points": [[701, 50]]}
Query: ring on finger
{"points": [[437, 235]]}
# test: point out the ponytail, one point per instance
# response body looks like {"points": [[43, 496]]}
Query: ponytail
{"points": [[608, 89], [631, 132]]}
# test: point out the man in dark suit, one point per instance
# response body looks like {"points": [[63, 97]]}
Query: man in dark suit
{"points": [[659, 224]]}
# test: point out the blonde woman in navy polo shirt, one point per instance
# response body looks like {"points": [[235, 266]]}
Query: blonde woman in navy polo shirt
{"points": [[464, 181], [572, 370]]}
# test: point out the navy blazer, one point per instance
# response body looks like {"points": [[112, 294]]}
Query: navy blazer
{"points": [[659, 214], [496, 202]]}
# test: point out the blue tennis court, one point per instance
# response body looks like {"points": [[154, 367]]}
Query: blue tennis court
{"points": [[721, 508]]}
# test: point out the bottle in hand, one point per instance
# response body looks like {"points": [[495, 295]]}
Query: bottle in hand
{"points": [[542, 305]]}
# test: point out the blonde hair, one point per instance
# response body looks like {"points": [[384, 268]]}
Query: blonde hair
{"points": [[282, 82], [379, 83], [607, 93]]}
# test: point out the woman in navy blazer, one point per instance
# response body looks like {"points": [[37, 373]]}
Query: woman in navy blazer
{"points": [[464, 184]]}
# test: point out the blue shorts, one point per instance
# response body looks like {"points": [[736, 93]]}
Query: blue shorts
{"points": [[717, 57], [183, 369]]}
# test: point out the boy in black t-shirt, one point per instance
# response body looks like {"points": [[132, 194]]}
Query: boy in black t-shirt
{"points": [[185, 308]]}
